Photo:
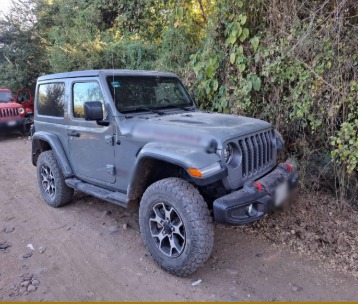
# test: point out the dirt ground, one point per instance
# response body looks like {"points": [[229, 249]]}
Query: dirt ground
{"points": [[91, 250]]}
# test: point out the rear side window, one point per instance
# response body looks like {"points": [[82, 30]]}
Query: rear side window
{"points": [[51, 99]]}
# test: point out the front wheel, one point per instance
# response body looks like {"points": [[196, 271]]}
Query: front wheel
{"points": [[176, 226]]}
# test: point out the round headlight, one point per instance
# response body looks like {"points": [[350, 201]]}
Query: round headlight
{"points": [[21, 110], [228, 153]]}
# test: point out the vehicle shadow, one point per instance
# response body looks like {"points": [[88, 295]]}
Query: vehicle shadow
{"points": [[11, 135]]}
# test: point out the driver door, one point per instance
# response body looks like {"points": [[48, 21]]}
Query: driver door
{"points": [[24, 97], [91, 146]]}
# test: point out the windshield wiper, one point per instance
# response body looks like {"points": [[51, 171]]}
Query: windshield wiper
{"points": [[142, 108], [185, 108]]}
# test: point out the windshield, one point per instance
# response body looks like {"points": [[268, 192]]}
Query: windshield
{"points": [[133, 93], [6, 96]]}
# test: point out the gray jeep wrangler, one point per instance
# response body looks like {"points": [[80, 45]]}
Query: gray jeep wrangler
{"points": [[138, 137]]}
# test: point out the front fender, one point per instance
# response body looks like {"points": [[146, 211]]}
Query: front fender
{"points": [[185, 157], [53, 141]]}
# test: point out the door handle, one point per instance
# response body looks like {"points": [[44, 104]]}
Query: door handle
{"points": [[73, 133], [109, 139]]}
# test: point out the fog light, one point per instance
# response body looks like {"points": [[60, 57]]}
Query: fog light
{"points": [[250, 210]]}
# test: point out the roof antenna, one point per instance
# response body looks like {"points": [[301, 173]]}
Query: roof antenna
{"points": [[114, 91]]}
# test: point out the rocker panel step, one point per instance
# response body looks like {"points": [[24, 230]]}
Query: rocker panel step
{"points": [[114, 197]]}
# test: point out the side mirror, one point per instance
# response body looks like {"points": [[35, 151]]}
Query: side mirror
{"points": [[93, 110]]}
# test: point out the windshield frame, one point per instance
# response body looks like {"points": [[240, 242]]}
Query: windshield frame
{"points": [[110, 79]]}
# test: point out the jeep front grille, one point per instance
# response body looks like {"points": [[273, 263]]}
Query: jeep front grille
{"points": [[10, 112], [257, 152]]}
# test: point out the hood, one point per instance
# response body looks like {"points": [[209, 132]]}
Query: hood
{"points": [[221, 125], [198, 127], [11, 104]]}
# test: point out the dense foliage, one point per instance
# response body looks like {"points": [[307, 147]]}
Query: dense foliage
{"points": [[292, 62]]}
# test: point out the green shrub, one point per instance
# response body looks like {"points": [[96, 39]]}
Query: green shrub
{"points": [[291, 62]]}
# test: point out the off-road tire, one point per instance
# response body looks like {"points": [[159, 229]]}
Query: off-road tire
{"points": [[195, 216], [62, 194]]}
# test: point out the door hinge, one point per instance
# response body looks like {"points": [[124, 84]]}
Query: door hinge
{"points": [[109, 139], [110, 169]]}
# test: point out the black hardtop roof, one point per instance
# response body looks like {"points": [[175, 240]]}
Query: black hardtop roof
{"points": [[93, 73]]}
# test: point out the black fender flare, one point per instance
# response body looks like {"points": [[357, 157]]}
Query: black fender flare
{"points": [[56, 147], [173, 155]]}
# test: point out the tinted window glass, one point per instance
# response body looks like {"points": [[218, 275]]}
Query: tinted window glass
{"points": [[23, 96], [150, 91], [51, 99], [85, 91]]}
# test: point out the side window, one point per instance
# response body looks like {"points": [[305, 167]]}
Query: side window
{"points": [[23, 96], [51, 99], [86, 91]]}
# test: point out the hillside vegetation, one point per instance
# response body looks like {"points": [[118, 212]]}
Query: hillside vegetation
{"points": [[291, 62]]}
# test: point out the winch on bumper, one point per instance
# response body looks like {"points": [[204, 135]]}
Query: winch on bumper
{"points": [[257, 198]]}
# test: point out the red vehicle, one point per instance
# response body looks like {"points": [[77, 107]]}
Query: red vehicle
{"points": [[14, 115]]}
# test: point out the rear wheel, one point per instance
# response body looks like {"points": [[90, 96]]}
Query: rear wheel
{"points": [[51, 181], [176, 226]]}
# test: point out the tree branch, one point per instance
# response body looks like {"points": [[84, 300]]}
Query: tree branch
{"points": [[202, 11], [319, 77]]}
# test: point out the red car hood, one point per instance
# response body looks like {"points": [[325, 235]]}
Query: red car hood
{"points": [[7, 105]]}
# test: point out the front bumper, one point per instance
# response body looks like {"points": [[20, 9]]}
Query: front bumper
{"points": [[257, 198], [16, 123]]}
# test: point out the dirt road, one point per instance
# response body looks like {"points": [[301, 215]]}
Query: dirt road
{"points": [[91, 250]]}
